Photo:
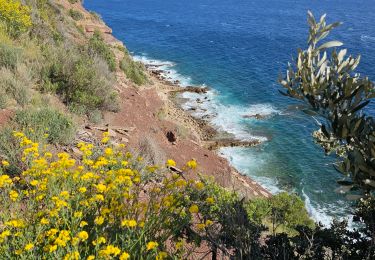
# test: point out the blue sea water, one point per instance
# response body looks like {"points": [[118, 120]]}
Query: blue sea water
{"points": [[238, 48]]}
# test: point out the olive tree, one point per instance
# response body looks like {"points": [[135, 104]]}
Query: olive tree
{"points": [[324, 77]]}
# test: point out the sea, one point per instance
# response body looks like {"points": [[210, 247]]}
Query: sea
{"points": [[239, 48]]}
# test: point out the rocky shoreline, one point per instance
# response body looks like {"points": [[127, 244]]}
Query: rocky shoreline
{"points": [[211, 138]]}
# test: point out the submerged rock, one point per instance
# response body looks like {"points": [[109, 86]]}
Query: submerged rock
{"points": [[193, 89], [256, 116], [229, 142]]}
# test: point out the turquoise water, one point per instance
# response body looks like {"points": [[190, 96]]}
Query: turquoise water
{"points": [[239, 48]]}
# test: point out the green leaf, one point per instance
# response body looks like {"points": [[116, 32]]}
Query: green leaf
{"points": [[311, 18], [330, 44], [341, 55], [360, 106]]}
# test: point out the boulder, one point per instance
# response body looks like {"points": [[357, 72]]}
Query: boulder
{"points": [[256, 116], [172, 138]]}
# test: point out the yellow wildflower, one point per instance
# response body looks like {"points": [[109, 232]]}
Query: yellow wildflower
{"points": [[83, 235], [13, 195], [44, 221], [179, 244], [65, 194], [100, 240], [63, 238], [129, 223], [101, 187], [4, 234], [201, 226], [52, 248], [83, 224], [29, 246], [193, 209], [181, 183], [5, 180], [5, 163], [192, 164], [110, 250], [78, 214], [108, 151], [105, 137], [98, 197], [161, 256], [199, 185], [151, 245], [34, 182], [48, 155], [73, 256], [52, 232], [39, 197], [16, 223], [124, 163], [124, 256], [171, 163], [99, 220]]}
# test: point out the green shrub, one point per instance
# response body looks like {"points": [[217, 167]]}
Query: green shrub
{"points": [[84, 83], [87, 87], [3, 99], [47, 123], [97, 46], [43, 125], [122, 48], [74, 1], [96, 16], [95, 116], [14, 86], [10, 150], [281, 213], [9, 55], [135, 71], [76, 15]]}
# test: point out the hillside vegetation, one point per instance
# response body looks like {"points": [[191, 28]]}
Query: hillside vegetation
{"points": [[108, 203]]}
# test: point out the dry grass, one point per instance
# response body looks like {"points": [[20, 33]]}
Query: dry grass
{"points": [[151, 151]]}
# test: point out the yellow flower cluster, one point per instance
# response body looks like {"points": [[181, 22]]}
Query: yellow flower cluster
{"points": [[104, 204], [5, 180], [192, 164], [15, 15]]}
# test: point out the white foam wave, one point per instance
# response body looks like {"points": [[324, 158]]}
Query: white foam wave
{"points": [[247, 162], [227, 118], [318, 214], [167, 68]]}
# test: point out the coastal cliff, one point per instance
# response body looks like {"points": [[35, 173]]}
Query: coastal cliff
{"points": [[161, 129]]}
